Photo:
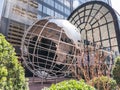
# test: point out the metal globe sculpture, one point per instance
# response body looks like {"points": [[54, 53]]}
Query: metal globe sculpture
{"points": [[49, 47]]}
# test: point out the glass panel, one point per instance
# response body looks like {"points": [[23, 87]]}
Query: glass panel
{"points": [[109, 17], [99, 15], [56, 14], [83, 35], [87, 26], [111, 30], [89, 36], [104, 32], [70, 19], [104, 10], [74, 15], [93, 12], [96, 6], [52, 13], [39, 16], [115, 50], [81, 10], [82, 14], [87, 12], [44, 9], [39, 7], [82, 25], [78, 22], [102, 21], [106, 43], [73, 21], [89, 6], [56, 5], [59, 7], [96, 34], [90, 18], [82, 19], [48, 11], [76, 18], [86, 18], [67, 3], [93, 20], [52, 3], [95, 25], [60, 1], [113, 42], [76, 25]]}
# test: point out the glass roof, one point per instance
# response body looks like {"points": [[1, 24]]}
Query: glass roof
{"points": [[98, 24]]}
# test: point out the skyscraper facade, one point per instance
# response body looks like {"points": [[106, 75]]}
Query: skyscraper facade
{"points": [[18, 15], [56, 8]]}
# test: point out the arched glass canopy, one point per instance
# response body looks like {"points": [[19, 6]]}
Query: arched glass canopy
{"points": [[98, 24]]}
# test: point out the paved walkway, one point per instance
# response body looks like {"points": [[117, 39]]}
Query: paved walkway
{"points": [[38, 84]]}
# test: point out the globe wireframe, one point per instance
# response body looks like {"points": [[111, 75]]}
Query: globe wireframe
{"points": [[49, 47]]}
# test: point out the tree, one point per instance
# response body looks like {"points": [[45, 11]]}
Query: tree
{"points": [[70, 85], [103, 83], [116, 71], [12, 75]]}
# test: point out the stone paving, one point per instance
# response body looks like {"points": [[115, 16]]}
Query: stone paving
{"points": [[38, 84]]}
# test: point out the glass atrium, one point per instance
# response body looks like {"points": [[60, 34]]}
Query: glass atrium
{"points": [[98, 25]]}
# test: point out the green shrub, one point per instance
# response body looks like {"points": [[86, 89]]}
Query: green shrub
{"points": [[70, 85], [103, 83], [12, 75], [116, 70]]}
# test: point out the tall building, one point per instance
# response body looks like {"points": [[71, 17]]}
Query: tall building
{"points": [[56, 8], [18, 15]]}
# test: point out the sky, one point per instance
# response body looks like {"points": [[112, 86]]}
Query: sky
{"points": [[116, 5]]}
